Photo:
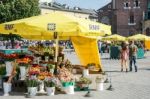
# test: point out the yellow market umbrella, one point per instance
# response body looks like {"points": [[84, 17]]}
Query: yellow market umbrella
{"points": [[43, 27], [138, 37], [46, 27], [115, 37]]}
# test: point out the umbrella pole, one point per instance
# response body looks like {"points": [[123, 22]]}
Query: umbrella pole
{"points": [[56, 53]]}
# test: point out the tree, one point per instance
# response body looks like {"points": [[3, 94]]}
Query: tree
{"points": [[17, 9]]}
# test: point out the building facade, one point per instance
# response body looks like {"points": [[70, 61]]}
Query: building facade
{"points": [[125, 16], [63, 8]]}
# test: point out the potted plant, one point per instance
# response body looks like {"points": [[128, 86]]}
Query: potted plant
{"points": [[2, 72], [83, 83], [51, 68], [99, 83], [91, 66], [8, 62], [32, 85], [46, 55], [50, 84]]}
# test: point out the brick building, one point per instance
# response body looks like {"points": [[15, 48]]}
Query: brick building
{"points": [[125, 16]]}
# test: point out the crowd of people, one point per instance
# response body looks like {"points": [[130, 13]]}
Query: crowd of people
{"points": [[127, 52]]}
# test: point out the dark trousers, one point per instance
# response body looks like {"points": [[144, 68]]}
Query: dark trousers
{"points": [[133, 60]]}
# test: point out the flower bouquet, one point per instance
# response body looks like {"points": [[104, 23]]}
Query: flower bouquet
{"points": [[32, 85], [50, 84], [83, 83]]}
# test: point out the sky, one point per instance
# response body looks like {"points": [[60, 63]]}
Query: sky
{"points": [[89, 4]]}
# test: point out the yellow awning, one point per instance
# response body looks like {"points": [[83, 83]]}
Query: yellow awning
{"points": [[114, 37], [139, 37], [43, 27]]}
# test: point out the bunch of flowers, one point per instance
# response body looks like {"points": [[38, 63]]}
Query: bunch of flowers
{"points": [[43, 75], [50, 82], [32, 82], [8, 57], [34, 70]]}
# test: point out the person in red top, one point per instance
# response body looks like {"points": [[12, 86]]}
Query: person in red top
{"points": [[124, 56]]}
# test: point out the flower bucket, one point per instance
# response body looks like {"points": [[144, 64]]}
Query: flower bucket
{"points": [[46, 58], [0, 81], [74, 71], [99, 84], [6, 88], [22, 72], [41, 87], [85, 72], [68, 87], [38, 59], [50, 91], [52, 71], [32, 91], [9, 68]]}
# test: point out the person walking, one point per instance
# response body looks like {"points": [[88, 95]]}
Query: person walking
{"points": [[132, 55], [124, 56]]}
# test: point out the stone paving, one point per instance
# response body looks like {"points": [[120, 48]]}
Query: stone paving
{"points": [[131, 85]]}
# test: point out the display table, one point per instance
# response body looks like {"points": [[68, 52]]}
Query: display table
{"points": [[114, 52], [140, 53], [10, 51]]}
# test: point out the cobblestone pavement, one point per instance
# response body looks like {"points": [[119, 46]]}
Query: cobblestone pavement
{"points": [[131, 85]]}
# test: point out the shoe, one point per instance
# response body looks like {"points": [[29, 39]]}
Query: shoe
{"points": [[121, 70], [126, 70], [135, 70]]}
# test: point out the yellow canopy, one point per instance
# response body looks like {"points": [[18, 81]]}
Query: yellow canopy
{"points": [[115, 37], [42, 27], [138, 37]]}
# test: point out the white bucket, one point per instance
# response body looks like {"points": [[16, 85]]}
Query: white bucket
{"points": [[41, 87], [22, 72], [32, 91], [46, 58], [50, 91], [69, 89], [7, 88], [0, 81], [52, 71], [100, 86], [85, 72], [9, 68]]}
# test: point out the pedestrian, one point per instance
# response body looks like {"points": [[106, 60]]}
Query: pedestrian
{"points": [[124, 56], [132, 55]]}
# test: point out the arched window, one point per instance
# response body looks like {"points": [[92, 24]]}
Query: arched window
{"points": [[148, 31], [136, 3], [131, 18], [105, 20]]}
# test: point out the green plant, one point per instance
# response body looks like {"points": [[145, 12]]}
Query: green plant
{"points": [[50, 66], [2, 70], [51, 82], [46, 54], [32, 82], [84, 80], [23, 64]]}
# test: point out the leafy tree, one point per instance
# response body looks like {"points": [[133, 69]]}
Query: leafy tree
{"points": [[18, 9]]}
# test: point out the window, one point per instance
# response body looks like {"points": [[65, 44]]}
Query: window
{"points": [[131, 19], [136, 4], [127, 5], [109, 6]]}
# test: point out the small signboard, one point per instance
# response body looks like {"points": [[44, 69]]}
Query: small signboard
{"points": [[51, 26]]}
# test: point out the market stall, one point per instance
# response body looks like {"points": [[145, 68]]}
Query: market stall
{"points": [[139, 37], [114, 48], [56, 27]]}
